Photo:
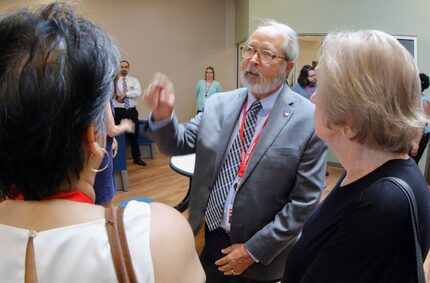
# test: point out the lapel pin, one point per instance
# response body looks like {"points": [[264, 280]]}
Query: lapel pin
{"points": [[286, 113]]}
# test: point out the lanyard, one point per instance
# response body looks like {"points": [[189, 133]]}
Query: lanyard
{"points": [[207, 88], [244, 158], [309, 91]]}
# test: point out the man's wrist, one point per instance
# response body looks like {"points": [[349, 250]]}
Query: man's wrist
{"points": [[155, 124], [250, 254], [157, 117]]}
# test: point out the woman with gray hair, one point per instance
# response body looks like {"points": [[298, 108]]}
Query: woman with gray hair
{"points": [[368, 111], [56, 76]]}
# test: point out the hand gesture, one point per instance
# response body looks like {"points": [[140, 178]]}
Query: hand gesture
{"points": [[127, 125], [236, 261], [160, 97], [114, 148], [120, 97]]}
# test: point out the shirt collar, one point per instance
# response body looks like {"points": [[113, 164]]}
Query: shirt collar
{"points": [[267, 103]]}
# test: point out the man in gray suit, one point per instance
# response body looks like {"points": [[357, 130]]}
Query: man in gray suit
{"points": [[259, 165]]}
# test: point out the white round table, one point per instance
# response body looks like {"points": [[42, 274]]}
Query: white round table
{"points": [[184, 165]]}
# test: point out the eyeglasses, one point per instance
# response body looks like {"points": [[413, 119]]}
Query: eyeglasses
{"points": [[265, 56]]}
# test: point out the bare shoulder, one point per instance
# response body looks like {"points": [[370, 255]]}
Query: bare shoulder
{"points": [[165, 218], [173, 247], [170, 230]]}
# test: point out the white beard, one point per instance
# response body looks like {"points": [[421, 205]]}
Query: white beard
{"points": [[265, 85]]}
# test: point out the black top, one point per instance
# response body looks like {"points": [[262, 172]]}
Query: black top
{"points": [[363, 232]]}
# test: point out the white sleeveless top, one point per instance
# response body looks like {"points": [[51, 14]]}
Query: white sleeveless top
{"points": [[78, 253]]}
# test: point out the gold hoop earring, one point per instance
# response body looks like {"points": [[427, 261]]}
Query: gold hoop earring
{"points": [[107, 163]]}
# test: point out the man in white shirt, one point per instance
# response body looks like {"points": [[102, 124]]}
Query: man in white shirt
{"points": [[127, 91]]}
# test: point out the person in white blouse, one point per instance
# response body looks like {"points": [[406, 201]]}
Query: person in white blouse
{"points": [[128, 91], [56, 80]]}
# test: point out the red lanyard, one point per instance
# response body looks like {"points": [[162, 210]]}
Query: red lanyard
{"points": [[309, 91], [244, 158]]}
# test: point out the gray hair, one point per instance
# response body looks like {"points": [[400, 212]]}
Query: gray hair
{"points": [[291, 45]]}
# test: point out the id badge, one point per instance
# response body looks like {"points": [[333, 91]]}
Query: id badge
{"points": [[230, 214]]}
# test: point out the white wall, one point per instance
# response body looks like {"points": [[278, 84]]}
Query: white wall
{"points": [[179, 38], [397, 17], [309, 51]]}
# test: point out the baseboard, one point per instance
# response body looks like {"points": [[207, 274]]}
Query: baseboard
{"points": [[145, 151]]}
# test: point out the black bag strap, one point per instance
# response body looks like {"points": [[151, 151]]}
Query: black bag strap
{"points": [[406, 189]]}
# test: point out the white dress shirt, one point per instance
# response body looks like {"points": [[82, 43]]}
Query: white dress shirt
{"points": [[133, 91]]}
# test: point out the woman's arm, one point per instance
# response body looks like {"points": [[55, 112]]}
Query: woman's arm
{"points": [[218, 87], [198, 86], [126, 125], [173, 247]]}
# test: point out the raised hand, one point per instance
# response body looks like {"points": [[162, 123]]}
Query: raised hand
{"points": [[127, 125], [160, 96]]}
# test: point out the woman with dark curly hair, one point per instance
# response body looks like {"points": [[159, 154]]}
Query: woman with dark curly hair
{"points": [[306, 83], [56, 77]]}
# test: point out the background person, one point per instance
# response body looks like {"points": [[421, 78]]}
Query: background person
{"points": [[420, 144], [52, 131], [306, 83], [127, 92], [253, 212], [362, 232], [205, 88], [306, 86], [104, 183]]}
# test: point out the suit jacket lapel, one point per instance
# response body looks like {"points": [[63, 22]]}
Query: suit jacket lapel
{"points": [[281, 114], [231, 115]]}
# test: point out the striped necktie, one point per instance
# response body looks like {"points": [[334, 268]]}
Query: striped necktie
{"points": [[229, 169], [124, 90]]}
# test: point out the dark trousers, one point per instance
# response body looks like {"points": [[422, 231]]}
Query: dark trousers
{"points": [[132, 114], [214, 242]]}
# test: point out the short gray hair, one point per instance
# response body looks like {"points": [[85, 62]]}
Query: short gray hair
{"points": [[291, 45], [369, 82]]}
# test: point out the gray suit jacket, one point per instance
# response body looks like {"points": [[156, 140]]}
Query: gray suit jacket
{"points": [[281, 185]]}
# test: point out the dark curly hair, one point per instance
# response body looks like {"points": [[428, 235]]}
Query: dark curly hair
{"points": [[304, 74], [424, 81], [56, 75]]}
